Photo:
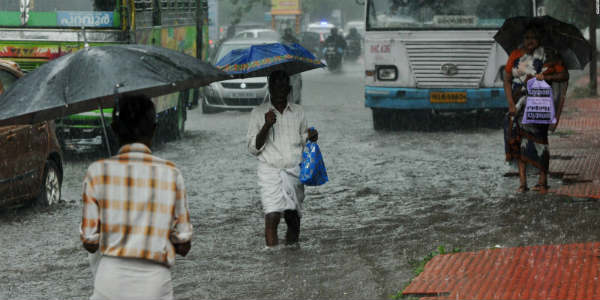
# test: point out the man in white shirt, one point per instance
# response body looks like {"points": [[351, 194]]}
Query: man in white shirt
{"points": [[277, 134]]}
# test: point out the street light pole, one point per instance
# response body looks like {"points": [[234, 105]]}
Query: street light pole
{"points": [[594, 58]]}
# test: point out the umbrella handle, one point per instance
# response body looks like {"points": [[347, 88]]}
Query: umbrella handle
{"points": [[104, 130]]}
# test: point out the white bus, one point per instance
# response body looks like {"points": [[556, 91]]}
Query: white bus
{"points": [[424, 56]]}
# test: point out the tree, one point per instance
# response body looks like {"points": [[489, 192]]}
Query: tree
{"points": [[242, 8], [571, 11]]}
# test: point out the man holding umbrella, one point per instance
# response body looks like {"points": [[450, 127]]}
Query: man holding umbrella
{"points": [[277, 134], [135, 211], [277, 131]]}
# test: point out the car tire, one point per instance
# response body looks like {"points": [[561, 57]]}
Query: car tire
{"points": [[50, 191]]}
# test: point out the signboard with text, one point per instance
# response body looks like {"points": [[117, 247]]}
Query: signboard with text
{"points": [[285, 7], [84, 18]]}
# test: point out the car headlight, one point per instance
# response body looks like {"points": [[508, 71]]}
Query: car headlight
{"points": [[387, 73], [210, 92]]}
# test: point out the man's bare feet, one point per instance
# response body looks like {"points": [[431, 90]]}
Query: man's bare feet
{"points": [[522, 189], [541, 188]]}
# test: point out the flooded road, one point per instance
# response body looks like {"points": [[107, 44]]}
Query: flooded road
{"points": [[393, 197]]}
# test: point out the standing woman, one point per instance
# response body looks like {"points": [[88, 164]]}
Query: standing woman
{"points": [[135, 211], [528, 143]]}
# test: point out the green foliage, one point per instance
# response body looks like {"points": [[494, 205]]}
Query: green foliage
{"points": [[240, 8], [419, 266], [576, 12]]}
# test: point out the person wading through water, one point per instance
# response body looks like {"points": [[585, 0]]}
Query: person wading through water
{"points": [[277, 133], [135, 211]]}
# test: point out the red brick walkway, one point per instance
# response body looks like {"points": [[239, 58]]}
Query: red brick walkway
{"points": [[575, 149], [535, 272]]}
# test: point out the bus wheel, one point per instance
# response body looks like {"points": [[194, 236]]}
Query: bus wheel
{"points": [[381, 119]]}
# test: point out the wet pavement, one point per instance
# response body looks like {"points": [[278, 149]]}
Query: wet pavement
{"points": [[393, 197]]}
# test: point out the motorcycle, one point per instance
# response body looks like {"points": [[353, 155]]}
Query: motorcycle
{"points": [[353, 51], [333, 57]]}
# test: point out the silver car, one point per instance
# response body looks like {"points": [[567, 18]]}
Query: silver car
{"points": [[242, 94]]}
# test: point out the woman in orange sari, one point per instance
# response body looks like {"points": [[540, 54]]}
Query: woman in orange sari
{"points": [[528, 143]]}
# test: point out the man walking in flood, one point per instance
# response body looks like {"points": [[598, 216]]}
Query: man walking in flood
{"points": [[277, 134], [135, 211]]}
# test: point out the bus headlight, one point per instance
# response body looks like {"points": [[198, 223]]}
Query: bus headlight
{"points": [[387, 73]]}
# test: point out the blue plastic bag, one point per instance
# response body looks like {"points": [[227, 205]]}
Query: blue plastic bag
{"points": [[312, 168]]}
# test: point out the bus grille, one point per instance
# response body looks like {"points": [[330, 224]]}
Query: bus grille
{"points": [[427, 57]]}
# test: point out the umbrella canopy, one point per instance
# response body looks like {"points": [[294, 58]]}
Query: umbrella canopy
{"points": [[563, 37], [261, 60], [91, 77]]}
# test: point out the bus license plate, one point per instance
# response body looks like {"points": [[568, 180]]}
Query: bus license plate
{"points": [[448, 97]]}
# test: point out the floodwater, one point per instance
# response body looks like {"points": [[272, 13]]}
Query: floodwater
{"points": [[393, 197]]}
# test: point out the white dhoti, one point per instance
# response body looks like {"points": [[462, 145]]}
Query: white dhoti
{"points": [[127, 278], [280, 189]]}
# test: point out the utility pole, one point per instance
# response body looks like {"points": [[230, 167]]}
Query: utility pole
{"points": [[201, 19], [594, 58]]}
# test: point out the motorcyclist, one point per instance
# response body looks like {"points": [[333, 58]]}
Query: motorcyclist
{"points": [[288, 36], [353, 35], [354, 40], [336, 39]]}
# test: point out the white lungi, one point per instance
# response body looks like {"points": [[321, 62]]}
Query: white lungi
{"points": [[128, 278], [280, 189]]}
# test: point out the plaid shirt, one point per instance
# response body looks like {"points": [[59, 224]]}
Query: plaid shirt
{"points": [[135, 205]]}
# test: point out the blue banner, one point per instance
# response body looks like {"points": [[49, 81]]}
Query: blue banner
{"points": [[84, 18]]}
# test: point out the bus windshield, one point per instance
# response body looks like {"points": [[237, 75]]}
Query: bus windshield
{"points": [[443, 14], [60, 5]]}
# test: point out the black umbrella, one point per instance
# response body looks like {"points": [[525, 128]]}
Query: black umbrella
{"points": [[574, 49], [91, 78]]}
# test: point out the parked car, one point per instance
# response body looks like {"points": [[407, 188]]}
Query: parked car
{"points": [[258, 33], [242, 94], [30, 156]]}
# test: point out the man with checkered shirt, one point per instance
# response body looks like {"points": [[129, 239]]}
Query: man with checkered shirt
{"points": [[135, 211]]}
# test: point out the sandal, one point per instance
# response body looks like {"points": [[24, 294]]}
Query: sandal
{"points": [[522, 189]]}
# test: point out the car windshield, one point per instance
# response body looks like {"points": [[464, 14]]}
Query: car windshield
{"points": [[62, 5], [268, 34], [226, 48], [7, 79], [443, 14]]}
